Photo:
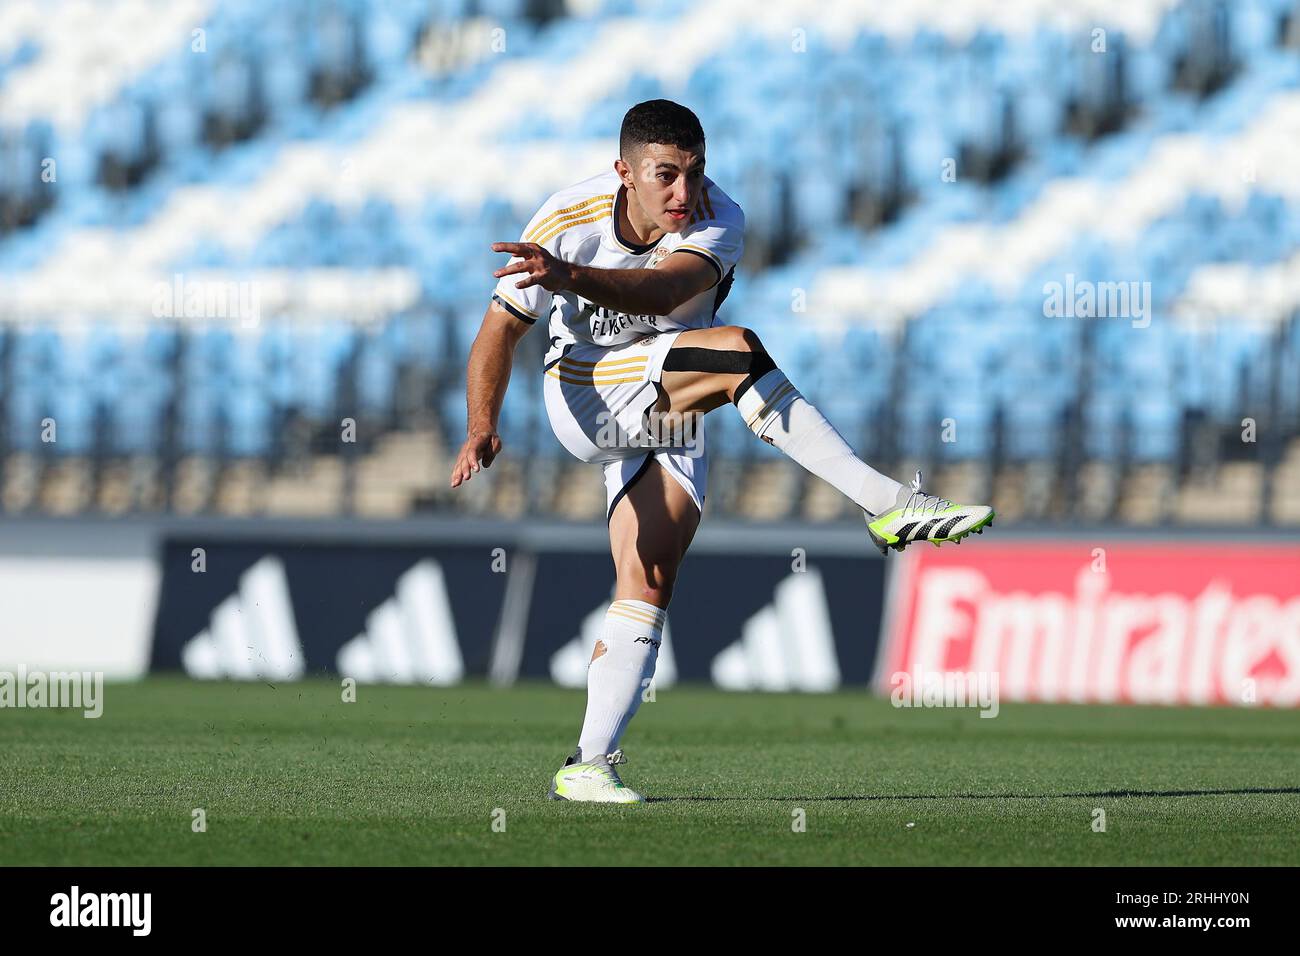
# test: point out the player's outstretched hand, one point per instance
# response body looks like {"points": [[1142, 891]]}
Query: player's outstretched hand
{"points": [[479, 451], [542, 268]]}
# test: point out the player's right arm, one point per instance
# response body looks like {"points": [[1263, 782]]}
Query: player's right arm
{"points": [[490, 360], [510, 315]]}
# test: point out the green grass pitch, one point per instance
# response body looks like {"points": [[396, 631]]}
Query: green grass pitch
{"points": [[293, 775]]}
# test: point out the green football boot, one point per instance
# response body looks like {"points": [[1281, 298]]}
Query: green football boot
{"points": [[917, 516], [593, 781]]}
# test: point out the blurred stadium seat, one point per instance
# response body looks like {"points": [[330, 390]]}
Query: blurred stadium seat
{"points": [[915, 177]]}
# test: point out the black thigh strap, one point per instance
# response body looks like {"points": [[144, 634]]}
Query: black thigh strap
{"points": [[687, 359], [753, 365]]}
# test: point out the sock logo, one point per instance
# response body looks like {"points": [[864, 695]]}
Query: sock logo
{"points": [[568, 665], [646, 640]]}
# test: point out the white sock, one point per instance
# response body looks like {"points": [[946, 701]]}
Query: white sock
{"points": [[617, 677], [776, 412]]}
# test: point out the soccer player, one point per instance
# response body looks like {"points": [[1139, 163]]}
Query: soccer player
{"points": [[629, 269]]}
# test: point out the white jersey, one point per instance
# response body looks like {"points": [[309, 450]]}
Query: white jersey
{"points": [[580, 225]]}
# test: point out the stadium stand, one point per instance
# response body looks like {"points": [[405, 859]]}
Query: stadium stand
{"points": [[242, 230]]}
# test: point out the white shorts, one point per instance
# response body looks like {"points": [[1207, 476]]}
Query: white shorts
{"points": [[597, 399]]}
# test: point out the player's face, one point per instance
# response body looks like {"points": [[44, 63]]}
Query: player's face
{"points": [[667, 182]]}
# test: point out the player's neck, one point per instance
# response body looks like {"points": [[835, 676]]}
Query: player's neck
{"points": [[630, 224]]}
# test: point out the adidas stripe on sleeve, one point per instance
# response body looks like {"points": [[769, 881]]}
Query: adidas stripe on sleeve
{"points": [[545, 228], [718, 235]]}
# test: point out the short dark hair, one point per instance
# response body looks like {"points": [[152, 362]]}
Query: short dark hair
{"points": [[659, 121]]}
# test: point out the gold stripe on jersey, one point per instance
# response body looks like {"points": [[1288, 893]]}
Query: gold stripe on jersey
{"points": [[546, 223], [589, 380], [601, 375], [604, 362], [563, 226], [608, 367], [628, 360], [521, 308], [691, 247], [593, 382]]}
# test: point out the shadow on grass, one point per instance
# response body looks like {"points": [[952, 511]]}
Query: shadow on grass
{"points": [[988, 796]]}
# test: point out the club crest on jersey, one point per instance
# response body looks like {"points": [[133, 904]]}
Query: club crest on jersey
{"points": [[658, 256]]}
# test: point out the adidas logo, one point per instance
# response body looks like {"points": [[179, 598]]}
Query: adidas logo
{"points": [[788, 645], [569, 663], [252, 635], [410, 638]]}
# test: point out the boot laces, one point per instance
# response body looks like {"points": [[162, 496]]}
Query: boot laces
{"points": [[921, 503]]}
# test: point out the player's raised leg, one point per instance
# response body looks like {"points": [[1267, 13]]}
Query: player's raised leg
{"points": [[649, 531], [707, 368]]}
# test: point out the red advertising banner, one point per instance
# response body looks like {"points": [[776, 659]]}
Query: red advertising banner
{"points": [[1169, 623]]}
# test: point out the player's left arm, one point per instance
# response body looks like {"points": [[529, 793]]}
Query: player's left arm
{"points": [[657, 291]]}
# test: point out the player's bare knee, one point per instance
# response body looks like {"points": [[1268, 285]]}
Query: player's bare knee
{"points": [[759, 362], [657, 590], [728, 338], [652, 581], [736, 338], [752, 342], [659, 597]]}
